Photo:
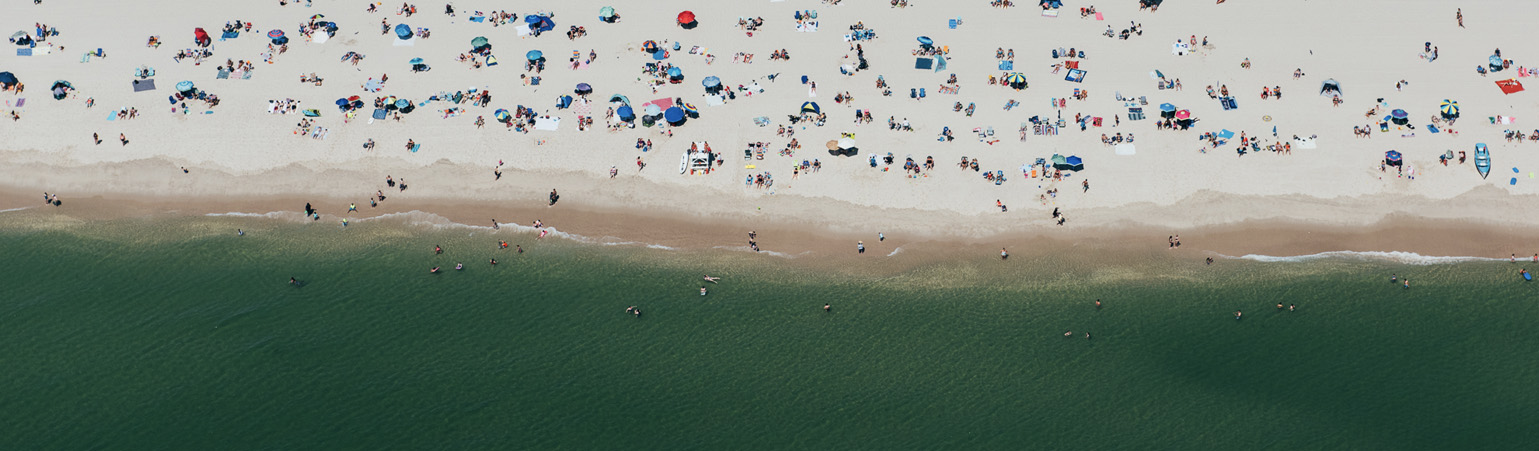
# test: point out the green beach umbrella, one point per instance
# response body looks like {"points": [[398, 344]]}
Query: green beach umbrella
{"points": [[607, 12], [478, 41]]}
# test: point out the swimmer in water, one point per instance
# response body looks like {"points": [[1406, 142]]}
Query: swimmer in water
{"points": [[1237, 314], [702, 290], [1068, 333], [459, 266], [239, 232], [438, 249], [1394, 278], [1279, 306], [1087, 335], [1407, 282], [293, 281], [1097, 303], [543, 232], [710, 279], [1290, 307], [494, 261], [828, 307], [518, 248], [434, 270]]}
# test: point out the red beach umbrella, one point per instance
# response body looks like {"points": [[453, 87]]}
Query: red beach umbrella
{"points": [[686, 17], [1183, 114]]}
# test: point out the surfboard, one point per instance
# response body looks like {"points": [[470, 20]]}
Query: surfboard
{"points": [[1528, 276]]}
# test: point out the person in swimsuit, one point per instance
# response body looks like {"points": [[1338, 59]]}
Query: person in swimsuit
{"points": [[702, 290]]}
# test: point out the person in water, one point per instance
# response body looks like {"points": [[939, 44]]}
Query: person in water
{"points": [[1237, 314], [828, 307], [1407, 282], [458, 266], [434, 270], [702, 290], [710, 279], [518, 249], [1290, 307], [1003, 255], [1279, 306], [438, 249], [1097, 303], [494, 262], [1394, 278], [239, 232], [293, 281]]}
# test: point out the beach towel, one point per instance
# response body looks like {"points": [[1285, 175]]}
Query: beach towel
{"points": [[404, 42], [112, 116], [379, 113], [924, 63], [951, 23], [320, 38], [1007, 65], [229, 35], [547, 123], [1125, 149], [1432, 128], [415, 147], [1049, 13], [523, 30], [144, 85], [1099, 17], [715, 101], [222, 75], [42, 50], [1225, 134], [663, 103], [23, 52]]}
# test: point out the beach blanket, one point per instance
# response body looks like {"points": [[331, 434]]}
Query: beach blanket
{"points": [[951, 23], [144, 85], [715, 101], [112, 116], [582, 107], [1125, 149], [42, 50], [1304, 143], [1007, 65], [379, 113], [1225, 134], [478, 19], [924, 63], [320, 37], [404, 42], [663, 103], [1098, 16], [222, 75], [547, 123], [1049, 13], [523, 30], [23, 52], [229, 35]]}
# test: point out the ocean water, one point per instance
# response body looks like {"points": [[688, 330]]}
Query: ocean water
{"points": [[173, 333]]}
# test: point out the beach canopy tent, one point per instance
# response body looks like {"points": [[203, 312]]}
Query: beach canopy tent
{"points": [[623, 100], [687, 20], [563, 102], [534, 55], [925, 41], [1074, 163], [811, 107], [539, 23], [201, 37], [1059, 162], [1392, 158], [1449, 109], [1016, 80], [1509, 86], [674, 116], [61, 89], [478, 42], [1330, 88], [583, 88], [8, 79], [403, 31], [625, 113]]}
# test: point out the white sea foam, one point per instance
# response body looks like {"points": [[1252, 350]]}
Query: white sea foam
{"points": [[895, 251], [1409, 258], [15, 209]]}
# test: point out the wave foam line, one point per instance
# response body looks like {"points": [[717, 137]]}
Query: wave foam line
{"points": [[1410, 258]]}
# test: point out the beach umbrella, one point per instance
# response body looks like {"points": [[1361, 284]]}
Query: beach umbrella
{"points": [[1074, 163], [18, 35], [1166, 107], [675, 73], [415, 61], [651, 110], [1059, 162], [532, 19], [317, 16], [1184, 114], [811, 107], [926, 41], [846, 143], [1392, 158], [711, 81], [833, 144], [7, 78], [690, 110], [479, 41], [649, 46], [184, 86], [607, 12], [402, 103], [1450, 109], [403, 31], [1496, 62], [625, 113], [563, 101], [1016, 80], [534, 55], [502, 115], [686, 17], [619, 98], [275, 33], [674, 115], [342, 102], [1399, 114], [583, 88]]}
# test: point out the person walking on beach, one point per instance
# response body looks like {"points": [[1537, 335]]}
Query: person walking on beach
{"points": [[1086, 184], [860, 247], [123, 138], [1459, 15], [554, 197], [96, 138]]}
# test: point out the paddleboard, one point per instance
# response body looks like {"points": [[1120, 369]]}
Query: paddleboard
{"points": [[1528, 276]]}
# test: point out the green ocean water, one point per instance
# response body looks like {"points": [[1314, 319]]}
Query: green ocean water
{"points": [[177, 334]]}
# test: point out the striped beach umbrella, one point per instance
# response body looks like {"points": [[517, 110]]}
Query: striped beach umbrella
{"points": [[1450, 109], [1016, 80]]}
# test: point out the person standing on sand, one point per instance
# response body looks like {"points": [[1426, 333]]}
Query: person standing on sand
{"points": [[554, 197], [1003, 254], [124, 138], [860, 247], [1459, 15], [1086, 184], [96, 138]]}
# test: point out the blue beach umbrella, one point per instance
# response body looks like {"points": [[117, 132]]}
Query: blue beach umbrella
{"points": [[607, 12], [711, 81], [620, 98], [502, 115], [625, 113], [342, 102], [534, 55], [925, 40], [1392, 156], [1496, 61], [532, 19], [1168, 108], [583, 88], [415, 61], [652, 110], [1398, 114], [675, 73], [403, 31], [402, 103], [184, 86], [674, 115]]}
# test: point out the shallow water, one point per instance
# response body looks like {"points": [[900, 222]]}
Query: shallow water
{"points": [[174, 332]]}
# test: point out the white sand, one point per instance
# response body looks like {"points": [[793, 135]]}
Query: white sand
{"points": [[1366, 45]]}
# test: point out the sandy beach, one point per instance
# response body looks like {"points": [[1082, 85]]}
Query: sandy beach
{"points": [[239, 157]]}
